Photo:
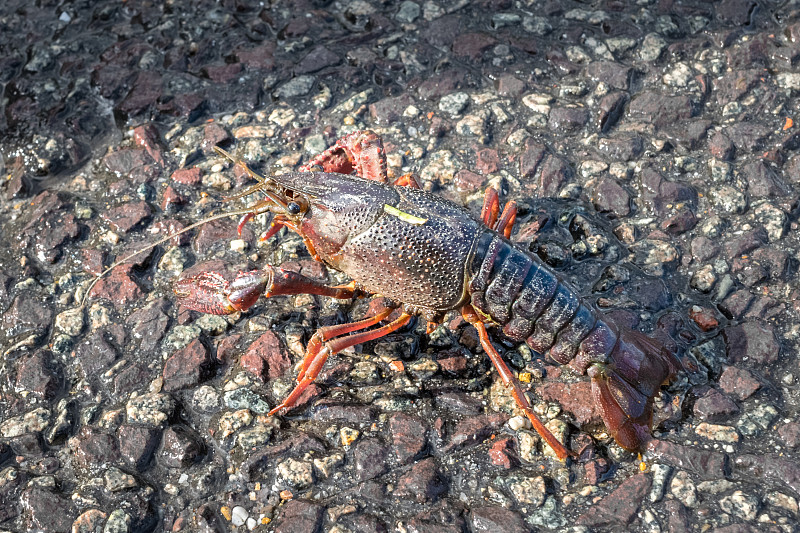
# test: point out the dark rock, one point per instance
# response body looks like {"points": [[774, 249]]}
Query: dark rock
{"points": [[147, 137], [317, 59], [749, 273], [613, 74], [180, 448], [689, 136], [10, 491], [621, 148], [762, 182], [362, 523], [224, 73], [679, 521], [680, 222], [145, 92], [266, 350], [38, 373], [610, 197], [503, 454], [721, 147], [468, 181], [369, 459], [752, 343], [510, 86], [441, 83], [594, 471], [422, 483], [473, 46], [149, 325], [442, 31], [474, 430], [258, 57], [714, 406], [95, 355], [738, 382], [770, 469], [137, 444], [299, 516], [260, 462], [27, 315], [47, 511], [575, 398], [188, 176], [487, 161], [215, 233], [746, 242], [458, 402], [777, 261], [59, 229], [620, 507], [703, 249], [131, 378], [187, 367], [448, 519], [736, 304], [659, 109], [733, 85], [494, 519], [452, 361], [124, 217], [94, 449], [125, 160], [530, 159], [662, 192], [706, 464], [408, 436], [736, 12], [390, 110], [29, 445], [567, 120], [748, 136], [555, 174], [214, 135], [610, 110], [790, 433], [330, 410]]}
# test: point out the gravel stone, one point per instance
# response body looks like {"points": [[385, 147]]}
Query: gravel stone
{"points": [[741, 505]]}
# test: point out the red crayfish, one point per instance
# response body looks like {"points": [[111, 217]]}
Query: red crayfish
{"points": [[430, 256]]}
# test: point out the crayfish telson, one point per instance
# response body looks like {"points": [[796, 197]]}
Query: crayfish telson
{"points": [[431, 256]]}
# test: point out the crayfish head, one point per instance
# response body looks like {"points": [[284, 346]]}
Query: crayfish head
{"points": [[340, 207]]}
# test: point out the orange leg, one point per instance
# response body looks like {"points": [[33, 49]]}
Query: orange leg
{"points": [[316, 360], [491, 206], [510, 380], [407, 180], [329, 332], [506, 223]]}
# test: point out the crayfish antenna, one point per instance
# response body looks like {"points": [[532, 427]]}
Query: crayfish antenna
{"points": [[104, 273]]}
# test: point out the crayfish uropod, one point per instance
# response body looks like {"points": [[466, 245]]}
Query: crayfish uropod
{"points": [[431, 256]]}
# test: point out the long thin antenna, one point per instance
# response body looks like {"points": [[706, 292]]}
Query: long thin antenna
{"points": [[235, 212]]}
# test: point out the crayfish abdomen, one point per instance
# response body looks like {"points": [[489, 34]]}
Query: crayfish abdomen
{"points": [[518, 292]]}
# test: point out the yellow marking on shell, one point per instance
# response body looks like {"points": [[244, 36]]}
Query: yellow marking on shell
{"points": [[407, 217]]}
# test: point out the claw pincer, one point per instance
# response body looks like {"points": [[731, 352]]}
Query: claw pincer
{"points": [[431, 256]]}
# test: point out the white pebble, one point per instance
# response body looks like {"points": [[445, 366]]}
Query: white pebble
{"points": [[238, 515]]}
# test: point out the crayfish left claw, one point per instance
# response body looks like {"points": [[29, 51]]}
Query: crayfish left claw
{"points": [[210, 292]]}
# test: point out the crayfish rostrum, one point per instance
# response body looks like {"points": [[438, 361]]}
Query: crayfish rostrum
{"points": [[428, 256]]}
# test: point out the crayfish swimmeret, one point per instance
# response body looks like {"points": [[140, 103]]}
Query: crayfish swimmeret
{"points": [[430, 256]]}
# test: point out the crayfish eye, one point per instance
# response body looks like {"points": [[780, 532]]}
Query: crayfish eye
{"points": [[293, 208]]}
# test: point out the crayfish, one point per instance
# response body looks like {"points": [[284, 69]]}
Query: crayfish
{"points": [[428, 256]]}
